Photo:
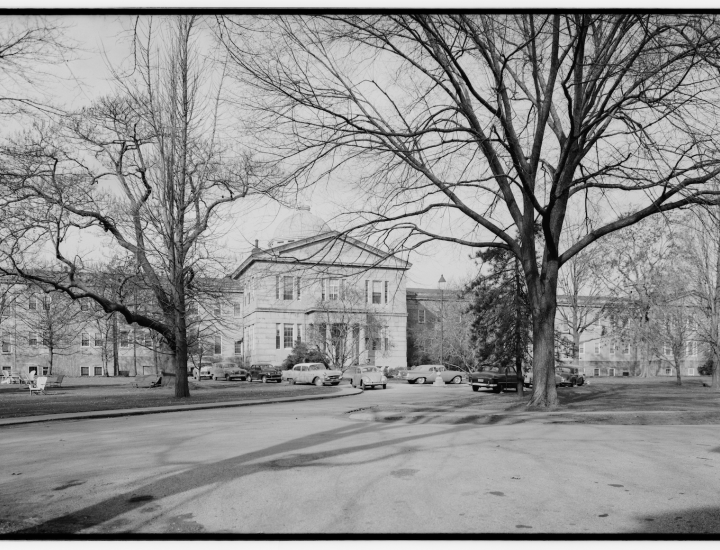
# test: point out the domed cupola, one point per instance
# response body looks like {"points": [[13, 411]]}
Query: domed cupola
{"points": [[299, 225]]}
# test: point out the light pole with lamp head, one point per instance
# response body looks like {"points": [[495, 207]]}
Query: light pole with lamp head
{"points": [[441, 286]]}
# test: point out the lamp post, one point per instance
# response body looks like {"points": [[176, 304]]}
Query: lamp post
{"points": [[441, 286]]}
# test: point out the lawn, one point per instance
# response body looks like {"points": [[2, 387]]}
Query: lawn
{"points": [[83, 395]]}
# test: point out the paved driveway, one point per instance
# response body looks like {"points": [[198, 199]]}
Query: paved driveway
{"points": [[407, 459]]}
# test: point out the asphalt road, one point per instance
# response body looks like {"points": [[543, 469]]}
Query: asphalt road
{"points": [[407, 459]]}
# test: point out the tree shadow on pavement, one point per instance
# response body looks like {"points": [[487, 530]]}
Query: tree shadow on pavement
{"points": [[691, 521], [224, 471]]}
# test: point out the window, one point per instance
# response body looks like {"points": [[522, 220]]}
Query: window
{"points": [[124, 339], [626, 349], [278, 343], [98, 371], [237, 310], [45, 339], [84, 306], [298, 337], [596, 372], [668, 371], [386, 291], [147, 340], [597, 347], [32, 339], [613, 347], [667, 350], [218, 344], [611, 372], [6, 368], [6, 347], [98, 340], [32, 303], [691, 348], [581, 349], [367, 285], [217, 310], [334, 289], [691, 371], [288, 335], [85, 340], [297, 288], [421, 316], [44, 371], [277, 287], [238, 347], [691, 323], [84, 371], [287, 288], [377, 292]]}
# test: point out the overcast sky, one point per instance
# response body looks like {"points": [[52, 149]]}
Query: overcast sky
{"points": [[99, 38]]}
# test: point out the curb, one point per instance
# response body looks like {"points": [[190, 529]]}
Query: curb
{"points": [[173, 408]]}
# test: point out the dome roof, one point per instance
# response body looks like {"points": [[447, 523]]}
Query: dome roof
{"points": [[299, 225]]}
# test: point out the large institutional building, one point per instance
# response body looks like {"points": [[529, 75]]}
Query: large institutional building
{"points": [[308, 284]]}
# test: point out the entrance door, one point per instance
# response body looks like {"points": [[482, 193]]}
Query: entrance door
{"points": [[371, 344], [611, 372]]}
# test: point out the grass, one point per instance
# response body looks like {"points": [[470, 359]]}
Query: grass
{"points": [[15, 400]]}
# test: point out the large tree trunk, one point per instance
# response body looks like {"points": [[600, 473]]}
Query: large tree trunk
{"points": [[182, 389], [543, 298], [677, 372], [715, 319], [518, 330]]}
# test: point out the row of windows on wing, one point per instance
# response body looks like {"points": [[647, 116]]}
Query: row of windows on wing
{"points": [[289, 334], [289, 287], [691, 348]]}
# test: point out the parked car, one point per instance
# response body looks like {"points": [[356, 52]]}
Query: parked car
{"points": [[527, 382], [228, 371], [422, 374], [312, 373], [569, 376], [367, 377], [205, 371], [494, 377], [265, 372]]}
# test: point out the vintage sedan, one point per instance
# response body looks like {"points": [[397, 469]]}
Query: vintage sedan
{"points": [[496, 378], [312, 373], [205, 371], [422, 374], [228, 371], [265, 372], [527, 382], [367, 377], [569, 376]]}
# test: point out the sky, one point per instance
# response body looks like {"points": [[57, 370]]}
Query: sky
{"points": [[88, 76]]}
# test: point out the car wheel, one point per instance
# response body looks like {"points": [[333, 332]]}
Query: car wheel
{"points": [[384, 386], [264, 379], [227, 378], [475, 388], [290, 381], [497, 389], [581, 382], [318, 381], [456, 380], [419, 380]]}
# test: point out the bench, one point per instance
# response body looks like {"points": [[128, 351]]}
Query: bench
{"points": [[54, 381], [147, 381]]}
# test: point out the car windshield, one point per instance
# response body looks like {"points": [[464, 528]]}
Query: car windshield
{"points": [[316, 366], [565, 370], [490, 369], [426, 367], [369, 369]]}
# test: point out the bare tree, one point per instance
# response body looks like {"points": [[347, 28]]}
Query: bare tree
{"points": [[583, 304], [53, 320], [701, 243], [501, 124], [30, 46], [148, 169], [343, 329]]}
